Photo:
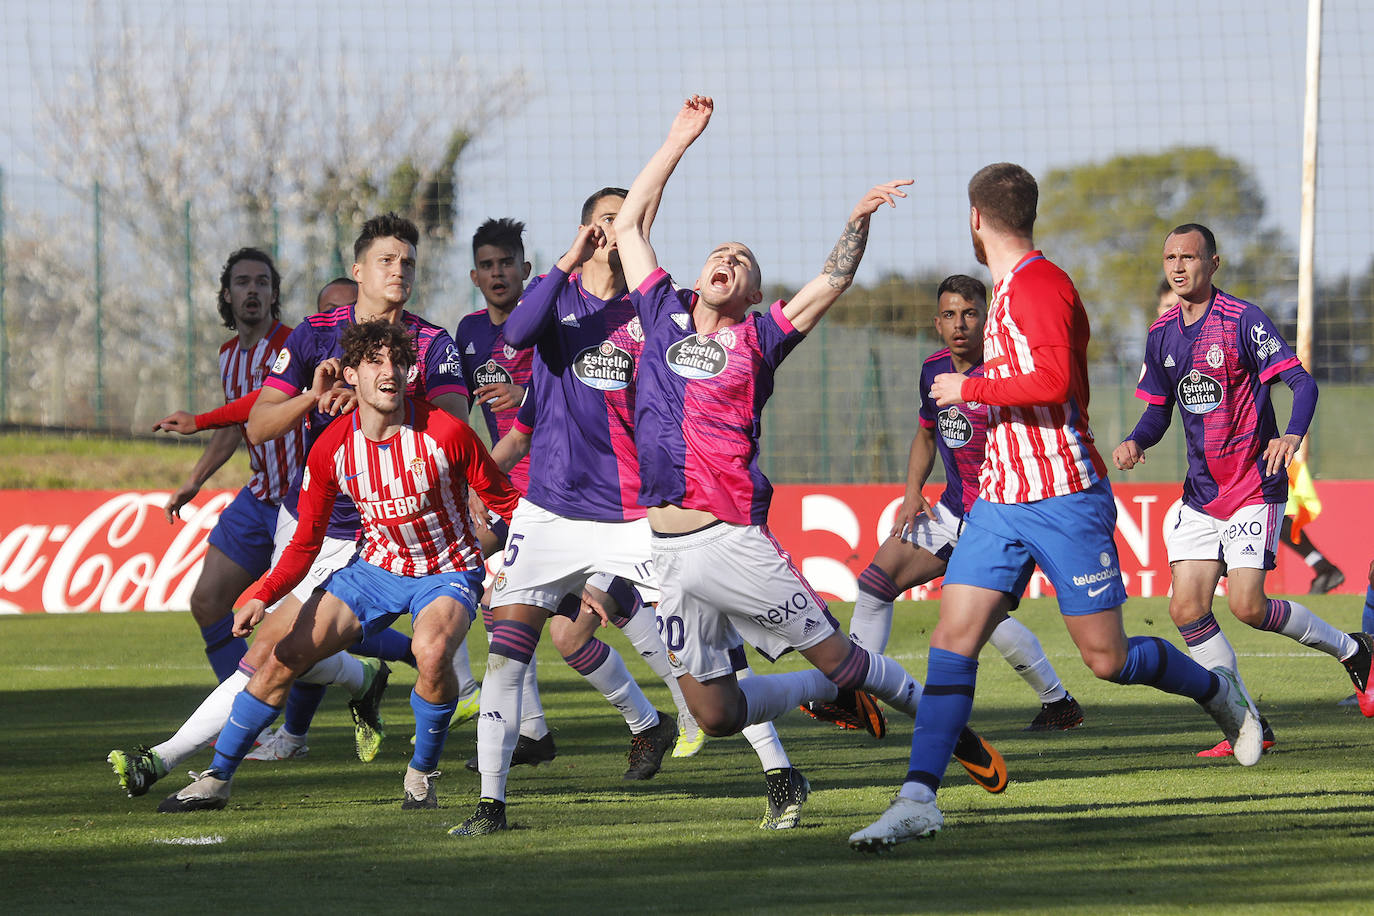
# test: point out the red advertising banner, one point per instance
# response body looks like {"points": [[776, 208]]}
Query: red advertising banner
{"points": [[83, 551]]}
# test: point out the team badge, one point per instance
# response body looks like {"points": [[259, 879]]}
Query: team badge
{"points": [[417, 466], [697, 358], [635, 330], [726, 336], [283, 360], [1104, 559], [509, 351], [500, 581], [1215, 357], [673, 659]]}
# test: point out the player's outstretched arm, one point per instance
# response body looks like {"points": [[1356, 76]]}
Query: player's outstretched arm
{"points": [[1127, 455], [218, 450], [814, 299], [179, 421], [636, 214]]}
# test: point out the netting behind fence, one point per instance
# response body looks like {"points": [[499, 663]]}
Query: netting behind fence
{"points": [[142, 142]]}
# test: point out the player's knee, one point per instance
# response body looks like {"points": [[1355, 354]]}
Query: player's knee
{"points": [[1250, 612], [568, 638], [1105, 665], [207, 605], [294, 655], [718, 721]]}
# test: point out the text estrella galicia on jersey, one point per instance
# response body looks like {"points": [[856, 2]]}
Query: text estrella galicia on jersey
{"points": [[697, 357], [1198, 393], [955, 429], [492, 373], [604, 367]]}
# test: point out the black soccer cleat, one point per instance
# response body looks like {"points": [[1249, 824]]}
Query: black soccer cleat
{"points": [[489, 817], [1360, 667], [529, 751], [648, 747], [1060, 715], [787, 792]]}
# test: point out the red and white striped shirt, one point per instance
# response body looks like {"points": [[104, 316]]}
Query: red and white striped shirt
{"points": [[242, 371], [1035, 383], [411, 491]]}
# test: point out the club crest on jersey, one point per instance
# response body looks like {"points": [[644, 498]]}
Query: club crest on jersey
{"points": [[604, 367], [417, 467], [635, 330], [1198, 393], [726, 338], [955, 428], [283, 360], [491, 373], [697, 357], [1215, 356], [509, 351], [500, 582]]}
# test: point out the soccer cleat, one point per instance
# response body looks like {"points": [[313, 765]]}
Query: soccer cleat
{"points": [[532, 751], [648, 747], [368, 731], [467, 709], [982, 761], [787, 792], [1060, 715], [1239, 723], [280, 746], [1360, 667], [689, 741], [209, 792], [1326, 580], [489, 817], [137, 770], [1224, 748], [851, 709], [419, 788], [904, 820], [822, 711]]}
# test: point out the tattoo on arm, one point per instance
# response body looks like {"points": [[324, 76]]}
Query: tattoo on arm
{"points": [[848, 251]]}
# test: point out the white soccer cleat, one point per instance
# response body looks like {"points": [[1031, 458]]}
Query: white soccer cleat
{"points": [[904, 820], [1237, 718], [280, 746], [209, 792]]}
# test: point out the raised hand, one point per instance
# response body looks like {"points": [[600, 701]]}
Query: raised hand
{"points": [[878, 195], [691, 119]]}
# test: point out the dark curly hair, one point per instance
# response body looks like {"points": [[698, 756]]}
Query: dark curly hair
{"points": [[360, 342], [247, 254]]}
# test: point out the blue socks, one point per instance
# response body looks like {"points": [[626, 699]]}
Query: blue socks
{"points": [[224, 649], [942, 715], [247, 718], [431, 728], [301, 704], [388, 645], [1159, 664]]}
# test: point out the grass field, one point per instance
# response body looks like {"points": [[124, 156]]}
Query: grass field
{"points": [[1115, 816]]}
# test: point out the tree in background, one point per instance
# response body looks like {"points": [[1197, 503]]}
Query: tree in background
{"points": [[282, 148], [1105, 224]]}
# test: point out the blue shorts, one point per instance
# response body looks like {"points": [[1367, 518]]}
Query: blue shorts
{"points": [[244, 532], [1071, 537], [377, 597]]}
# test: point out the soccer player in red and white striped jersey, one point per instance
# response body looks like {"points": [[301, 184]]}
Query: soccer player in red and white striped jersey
{"points": [[1043, 499], [240, 546], [408, 467]]}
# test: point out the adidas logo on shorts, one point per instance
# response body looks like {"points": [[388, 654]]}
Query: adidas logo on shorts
{"points": [[810, 626]]}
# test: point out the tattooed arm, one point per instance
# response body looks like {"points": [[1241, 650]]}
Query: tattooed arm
{"points": [[814, 299]]}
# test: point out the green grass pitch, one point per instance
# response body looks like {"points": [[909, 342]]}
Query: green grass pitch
{"points": [[1116, 816]]}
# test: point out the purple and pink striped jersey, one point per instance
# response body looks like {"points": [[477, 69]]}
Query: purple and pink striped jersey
{"points": [[412, 490], [1218, 371], [960, 434], [488, 359], [701, 401], [437, 372], [1035, 384], [582, 382], [276, 463]]}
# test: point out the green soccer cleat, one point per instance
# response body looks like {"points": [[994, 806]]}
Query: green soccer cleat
{"points": [[137, 770], [368, 730]]}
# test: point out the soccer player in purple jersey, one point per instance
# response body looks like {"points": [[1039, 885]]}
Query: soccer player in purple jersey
{"points": [[1216, 356], [706, 371], [923, 535], [337, 292]]}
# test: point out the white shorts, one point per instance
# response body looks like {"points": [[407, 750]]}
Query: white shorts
{"points": [[727, 584], [548, 556], [936, 531], [333, 556], [1246, 540]]}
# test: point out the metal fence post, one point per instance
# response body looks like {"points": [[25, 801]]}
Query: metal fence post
{"points": [[99, 313], [190, 317]]}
